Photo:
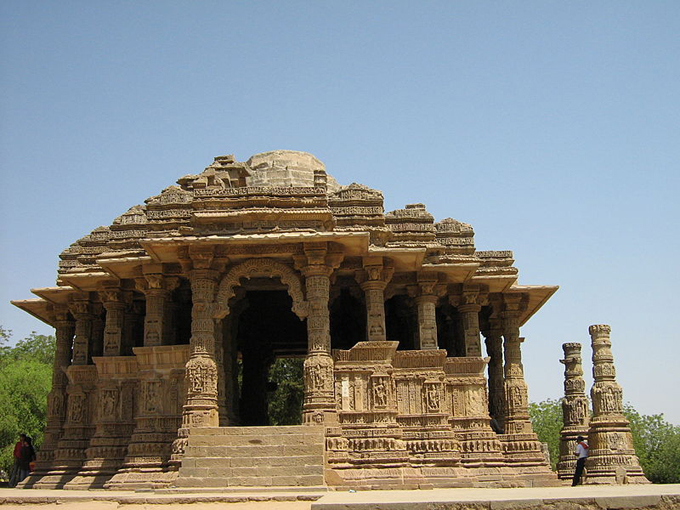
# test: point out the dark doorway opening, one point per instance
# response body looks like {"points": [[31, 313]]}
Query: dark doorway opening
{"points": [[267, 330]]}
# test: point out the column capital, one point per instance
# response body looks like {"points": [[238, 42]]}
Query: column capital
{"points": [[376, 273], [318, 259]]}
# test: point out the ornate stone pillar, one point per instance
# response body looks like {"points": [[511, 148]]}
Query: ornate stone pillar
{"points": [[494, 347], [81, 309], [516, 420], [611, 457], [575, 414], [520, 443], [373, 279], [56, 399], [81, 389], [319, 401], [114, 303], [426, 302], [157, 289], [469, 310], [133, 325], [201, 408]]}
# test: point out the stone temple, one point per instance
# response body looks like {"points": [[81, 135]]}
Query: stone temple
{"points": [[157, 314]]}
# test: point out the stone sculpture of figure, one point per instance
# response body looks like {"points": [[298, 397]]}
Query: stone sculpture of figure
{"points": [[432, 396], [380, 393], [109, 403], [76, 409]]}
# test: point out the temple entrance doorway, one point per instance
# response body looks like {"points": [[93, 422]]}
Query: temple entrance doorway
{"points": [[271, 343]]}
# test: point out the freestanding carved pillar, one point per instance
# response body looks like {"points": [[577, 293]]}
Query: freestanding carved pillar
{"points": [[494, 347], [56, 399], [426, 301], [373, 279], [319, 401], [575, 415], [201, 408], [611, 457]]}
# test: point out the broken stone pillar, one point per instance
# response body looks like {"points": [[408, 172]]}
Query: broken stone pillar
{"points": [[575, 414], [612, 456], [373, 279]]}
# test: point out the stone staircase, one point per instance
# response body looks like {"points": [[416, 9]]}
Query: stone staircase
{"points": [[290, 456]]}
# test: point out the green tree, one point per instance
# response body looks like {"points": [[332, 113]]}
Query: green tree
{"points": [[657, 444], [285, 404], [546, 418], [25, 381]]}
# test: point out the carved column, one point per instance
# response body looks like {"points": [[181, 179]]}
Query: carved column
{"points": [[469, 310], [157, 290], [78, 421], [113, 301], [426, 302], [200, 409], [81, 309], [373, 279], [56, 399], [516, 420], [520, 443], [494, 348], [319, 401], [575, 415], [611, 457]]}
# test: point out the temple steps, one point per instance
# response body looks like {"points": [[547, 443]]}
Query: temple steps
{"points": [[253, 456]]}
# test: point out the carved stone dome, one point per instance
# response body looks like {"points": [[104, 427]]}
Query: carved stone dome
{"points": [[286, 168]]}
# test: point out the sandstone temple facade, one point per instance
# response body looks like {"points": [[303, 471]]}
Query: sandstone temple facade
{"points": [[249, 261]]}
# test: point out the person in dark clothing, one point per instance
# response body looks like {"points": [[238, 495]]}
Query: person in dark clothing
{"points": [[26, 457], [17, 455], [582, 454]]}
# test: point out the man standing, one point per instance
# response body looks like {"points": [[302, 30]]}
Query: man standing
{"points": [[13, 479], [582, 454]]}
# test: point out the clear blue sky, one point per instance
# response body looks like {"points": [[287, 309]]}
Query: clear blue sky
{"points": [[552, 127]]}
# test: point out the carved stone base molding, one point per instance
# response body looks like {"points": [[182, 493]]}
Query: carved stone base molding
{"points": [[420, 419], [161, 389], [79, 427], [114, 422]]}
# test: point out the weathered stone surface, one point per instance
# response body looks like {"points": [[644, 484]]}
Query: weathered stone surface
{"points": [[249, 261]]}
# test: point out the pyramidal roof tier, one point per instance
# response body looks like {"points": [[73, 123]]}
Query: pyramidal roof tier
{"points": [[278, 193]]}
